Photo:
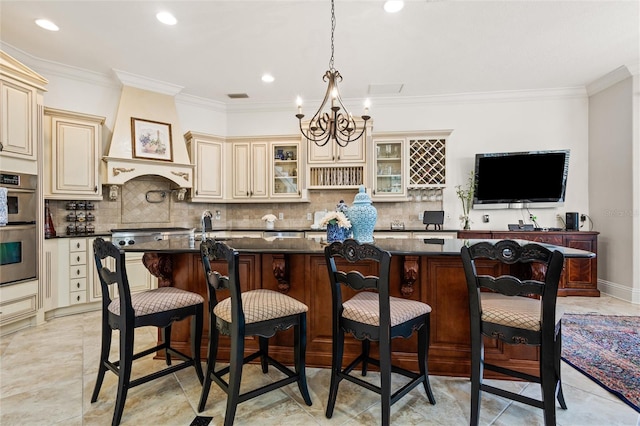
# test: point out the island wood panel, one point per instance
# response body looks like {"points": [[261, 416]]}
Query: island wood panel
{"points": [[188, 274], [440, 282]]}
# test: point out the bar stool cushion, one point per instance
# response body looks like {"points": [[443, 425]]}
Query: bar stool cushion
{"points": [[364, 307], [513, 311], [261, 305], [159, 300]]}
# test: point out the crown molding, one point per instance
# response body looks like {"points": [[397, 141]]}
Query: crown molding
{"points": [[47, 67], [210, 104], [459, 98], [609, 79], [145, 83]]}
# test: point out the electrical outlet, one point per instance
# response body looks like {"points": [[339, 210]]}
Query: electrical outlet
{"points": [[530, 216], [583, 217], [485, 218], [420, 216], [309, 216], [281, 216]]}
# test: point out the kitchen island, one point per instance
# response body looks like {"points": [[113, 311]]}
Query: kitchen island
{"points": [[427, 270]]}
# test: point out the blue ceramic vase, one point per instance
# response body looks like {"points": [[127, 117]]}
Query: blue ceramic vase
{"points": [[337, 233], [363, 217]]}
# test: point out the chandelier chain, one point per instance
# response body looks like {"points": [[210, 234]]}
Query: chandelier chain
{"points": [[333, 27]]}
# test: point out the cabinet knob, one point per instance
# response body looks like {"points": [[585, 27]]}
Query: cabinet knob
{"points": [[78, 259], [1, 146], [78, 246], [95, 189], [78, 298], [78, 285], [77, 271]]}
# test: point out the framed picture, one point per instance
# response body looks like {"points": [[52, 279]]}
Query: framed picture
{"points": [[151, 139]]}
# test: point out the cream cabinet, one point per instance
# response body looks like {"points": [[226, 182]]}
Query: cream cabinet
{"points": [[331, 152], [69, 138], [389, 169], [21, 104], [78, 271], [250, 166], [207, 154], [286, 179]]}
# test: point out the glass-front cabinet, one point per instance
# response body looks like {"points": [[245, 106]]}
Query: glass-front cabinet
{"points": [[286, 170], [389, 167]]}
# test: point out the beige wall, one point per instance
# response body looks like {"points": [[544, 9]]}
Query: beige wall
{"points": [[611, 188]]}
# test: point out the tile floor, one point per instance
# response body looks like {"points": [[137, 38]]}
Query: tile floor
{"points": [[47, 374]]}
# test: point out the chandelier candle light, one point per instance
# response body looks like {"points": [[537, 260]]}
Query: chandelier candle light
{"points": [[332, 124]]}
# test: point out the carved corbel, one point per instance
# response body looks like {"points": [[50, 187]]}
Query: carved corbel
{"points": [[281, 272], [160, 266], [410, 275], [183, 175]]}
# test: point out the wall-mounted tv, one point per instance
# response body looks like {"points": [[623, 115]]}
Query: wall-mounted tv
{"points": [[536, 179]]}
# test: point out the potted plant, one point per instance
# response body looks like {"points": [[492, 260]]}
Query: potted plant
{"points": [[269, 219], [466, 198]]}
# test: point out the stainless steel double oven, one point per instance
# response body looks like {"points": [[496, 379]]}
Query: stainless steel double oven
{"points": [[18, 254]]}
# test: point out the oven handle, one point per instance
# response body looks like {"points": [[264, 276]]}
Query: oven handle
{"points": [[12, 226], [19, 190]]}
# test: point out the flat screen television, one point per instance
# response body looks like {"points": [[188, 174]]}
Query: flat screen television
{"points": [[536, 179]]}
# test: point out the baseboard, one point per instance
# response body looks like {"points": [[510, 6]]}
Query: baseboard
{"points": [[619, 291]]}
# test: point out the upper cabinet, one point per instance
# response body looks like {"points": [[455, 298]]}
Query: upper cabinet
{"points": [[354, 152], [250, 164], [286, 181], [408, 163], [389, 168], [21, 104], [73, 148], [334, 166], [207, 154]]}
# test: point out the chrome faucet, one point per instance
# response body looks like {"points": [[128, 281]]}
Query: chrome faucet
{"points": [[205, 214]]}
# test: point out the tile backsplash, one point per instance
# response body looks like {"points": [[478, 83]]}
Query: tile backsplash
{"points": [[132, 210]]}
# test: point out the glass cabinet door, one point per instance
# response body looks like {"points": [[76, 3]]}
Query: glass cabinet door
{"points": [[389, 168], [285, 170]]}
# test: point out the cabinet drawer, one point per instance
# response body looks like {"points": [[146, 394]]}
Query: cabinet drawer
{"points": [[77, 284], [78, 271], [77, 297], [78, 258], [78, 244]]}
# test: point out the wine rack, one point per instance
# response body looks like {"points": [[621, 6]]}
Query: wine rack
{"points": [[427, 162]]}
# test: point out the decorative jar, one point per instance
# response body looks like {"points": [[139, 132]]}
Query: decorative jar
{"points": [[337, 233], [363, 216]]}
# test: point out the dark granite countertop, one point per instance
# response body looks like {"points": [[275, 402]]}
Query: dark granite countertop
{"points": [[434, 247]]}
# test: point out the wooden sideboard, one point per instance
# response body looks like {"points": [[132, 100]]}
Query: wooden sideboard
{"points": [[580, 276]]}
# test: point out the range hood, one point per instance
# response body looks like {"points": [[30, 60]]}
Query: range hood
{"points": [[156, 106]]}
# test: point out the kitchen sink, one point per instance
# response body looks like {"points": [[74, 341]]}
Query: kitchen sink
{"points": [[282, 234]]}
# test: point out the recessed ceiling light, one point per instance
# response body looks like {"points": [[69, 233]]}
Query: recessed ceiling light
{"points": [[268, 78], [166, 18], [47, 25], [393, 6]]}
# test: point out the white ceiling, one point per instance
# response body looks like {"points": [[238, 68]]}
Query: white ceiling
{"points": [[430, 47]]}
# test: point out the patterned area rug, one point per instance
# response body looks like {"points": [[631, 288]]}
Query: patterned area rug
{"points": [[605, 348]]}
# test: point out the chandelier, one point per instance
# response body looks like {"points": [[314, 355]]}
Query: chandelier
{"points": [[332, 122]]}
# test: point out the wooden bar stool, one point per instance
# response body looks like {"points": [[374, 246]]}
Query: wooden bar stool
{"points": [[259, 313], [508, 313], [373, 315], [156, 308]]}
